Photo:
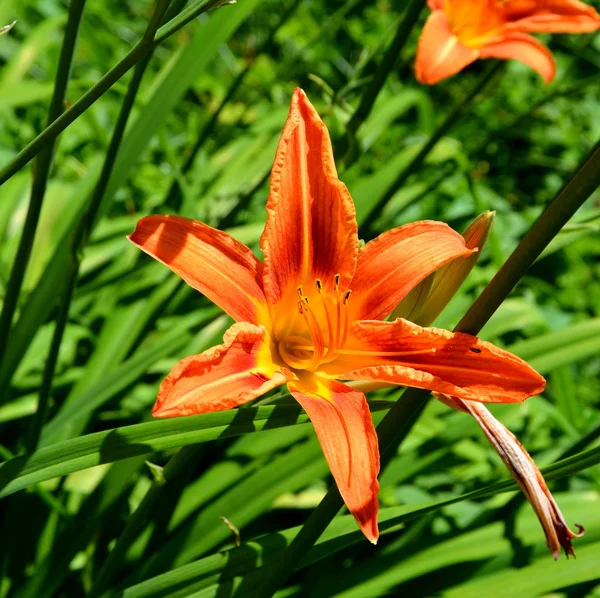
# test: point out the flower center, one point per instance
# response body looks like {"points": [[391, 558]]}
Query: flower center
{"points": [[326, 324]]}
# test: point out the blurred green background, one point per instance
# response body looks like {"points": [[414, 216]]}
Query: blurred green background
{"points": [[200, 142]]}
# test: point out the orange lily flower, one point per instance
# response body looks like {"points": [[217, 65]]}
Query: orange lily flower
{"points": [[458, 32], [314, 313]]}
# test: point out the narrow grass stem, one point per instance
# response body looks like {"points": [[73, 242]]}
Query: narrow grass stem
{"points": [[136, 54], [399, 420], [520, 120], [175, 8], [410, 17], [84, 229], [457, 112], [41, 172], [195, 9], [76, 110], [39, 417]]}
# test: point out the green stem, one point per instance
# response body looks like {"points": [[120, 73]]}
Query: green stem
{"points": [[137, 520], [459, 110], [399, 420], [41, 171], [411, 14], [87, 99], [39, 417], [76, 110], [175, 8], [519, 121], [84, 229], [189, 14]]}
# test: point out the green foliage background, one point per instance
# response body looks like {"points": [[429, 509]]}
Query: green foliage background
{"points": [[89, 513]]}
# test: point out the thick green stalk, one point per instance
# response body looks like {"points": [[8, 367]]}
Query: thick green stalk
{"points": [[137, 520], [84, 229], [136, 54], [399, 420], [41, 170], [459, 110]]}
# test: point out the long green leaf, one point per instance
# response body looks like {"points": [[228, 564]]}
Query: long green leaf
{"points": [[540, 578], [243, 567], [140, 439]]}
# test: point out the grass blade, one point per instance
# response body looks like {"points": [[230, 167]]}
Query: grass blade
{"points": [[140, 439]]}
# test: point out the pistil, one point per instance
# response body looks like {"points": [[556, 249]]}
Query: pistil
{"points": [[330, 333]]}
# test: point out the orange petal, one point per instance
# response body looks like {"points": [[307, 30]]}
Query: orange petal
{"points": [[456, 364], [551, 16], [427, 300], [440, 54], [525, 48], [209, 260], [311, 229], [391, 265], [345, 430], [223, 377]]}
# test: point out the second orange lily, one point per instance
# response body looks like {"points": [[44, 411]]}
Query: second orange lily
{"points": [[314, 313], [458, 32]]}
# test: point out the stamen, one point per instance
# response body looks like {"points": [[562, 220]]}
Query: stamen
{"points": [[319, 285], [341, 327], [342, 342], [316, 335], [300, 293], [338, 313]]}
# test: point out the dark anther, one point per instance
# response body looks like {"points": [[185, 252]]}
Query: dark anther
{"points": [[474, 350]]}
